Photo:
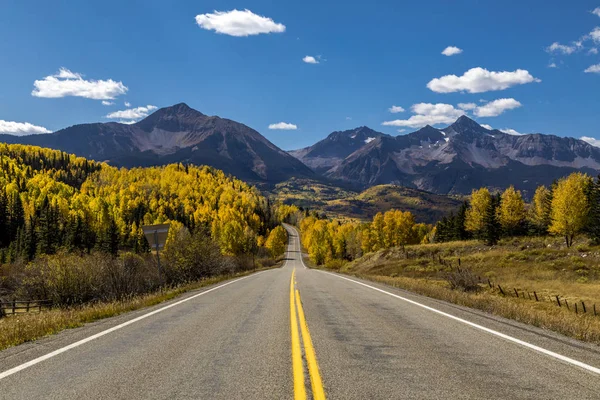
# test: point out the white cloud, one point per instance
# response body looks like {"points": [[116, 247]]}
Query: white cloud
{"points": [[348, 118], [283, 126], [596, 11], [595, 34], [593, 141], [132, 113], [401, 130], [479, 80], [483, 101], [593, 69], [127, 104], [552, 65], [396, 109], [238, 23], [21, 128], [107, 103], [511, 132], [593, 50], [488, 127], [467, 106], [561, 48], [451, 50], [496, 107], [428, 114], [310, 60], [66, 83]]}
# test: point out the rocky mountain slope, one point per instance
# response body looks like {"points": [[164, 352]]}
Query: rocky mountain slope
{"points": [[332, 150], [176, 134], [463, 156]]}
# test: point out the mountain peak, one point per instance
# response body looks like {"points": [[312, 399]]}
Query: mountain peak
{"points": [[466, 122]]}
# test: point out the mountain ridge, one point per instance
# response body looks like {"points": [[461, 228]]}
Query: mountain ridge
{"points": [[176, 134]]}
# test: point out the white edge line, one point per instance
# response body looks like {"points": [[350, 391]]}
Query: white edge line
{"points": [[483, 328], [110, 330]]}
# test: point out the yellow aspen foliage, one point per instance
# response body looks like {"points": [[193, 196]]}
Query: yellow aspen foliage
{"points": [[540, 208], [481, 200], [277, 241], [511, 212], [570, 206]]}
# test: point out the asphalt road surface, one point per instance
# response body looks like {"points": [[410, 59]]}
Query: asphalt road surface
{"points": [[293, 332]]}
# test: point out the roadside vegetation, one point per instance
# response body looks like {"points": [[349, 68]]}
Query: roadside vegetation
{"points": [[496, 253], [70, 233]]}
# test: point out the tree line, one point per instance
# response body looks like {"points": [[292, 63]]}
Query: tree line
{"points": [[570, 206]]}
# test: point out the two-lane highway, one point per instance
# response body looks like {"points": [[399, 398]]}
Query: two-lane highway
{"points": [[272, 334]]}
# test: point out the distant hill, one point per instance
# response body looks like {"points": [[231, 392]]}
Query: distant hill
{"points": [[176, 134], [336, 202], [459, 158]]}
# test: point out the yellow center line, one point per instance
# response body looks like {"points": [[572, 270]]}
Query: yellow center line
{"points": [[311, 358], [298, 368]]}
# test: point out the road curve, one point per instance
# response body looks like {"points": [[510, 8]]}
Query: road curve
{"points": [[369, 341]]}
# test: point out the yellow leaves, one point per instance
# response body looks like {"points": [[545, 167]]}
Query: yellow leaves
{"points": [[540, 208], [277, 241], [570, 206], [511, 212], [481, 201]]}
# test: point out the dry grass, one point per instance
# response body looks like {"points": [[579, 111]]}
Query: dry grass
{"points": [[543, 265], [544, 315], [15, 330]]}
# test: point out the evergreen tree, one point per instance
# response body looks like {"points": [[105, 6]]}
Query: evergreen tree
{"points": [[491, 226]]}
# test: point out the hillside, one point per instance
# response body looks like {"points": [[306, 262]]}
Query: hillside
{"points": [[343, 203], [173, 135], [51, 200]]}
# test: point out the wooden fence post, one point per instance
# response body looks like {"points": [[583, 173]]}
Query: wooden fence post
{"points": [[583, 306], [558, 301], [576, 308], [535, 294], [501, 291], [567, 304], [517, 293]]}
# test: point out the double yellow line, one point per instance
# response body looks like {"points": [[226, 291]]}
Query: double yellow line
{"points": [[297, 318]]}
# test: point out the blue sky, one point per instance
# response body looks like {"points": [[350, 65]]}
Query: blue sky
{"points": [[371, 56]]}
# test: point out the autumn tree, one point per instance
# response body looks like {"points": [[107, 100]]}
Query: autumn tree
{"points": [[570, 206], [511, 212], [475, 217], [540, 209], [277, 241]]}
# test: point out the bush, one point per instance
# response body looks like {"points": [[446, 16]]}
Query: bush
{"points": [[464, 280], [192, 257]]}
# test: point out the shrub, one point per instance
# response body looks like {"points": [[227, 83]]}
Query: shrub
{"points": [[464, 280]]}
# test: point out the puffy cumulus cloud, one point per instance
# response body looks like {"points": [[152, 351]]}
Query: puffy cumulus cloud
{"points": [[451, 51], [594, 69], [562, 48], [283, 126], [595, 34], [552, 65], [21, 128], [238, 23], [396, 109], [467, 106], [428, 114], [310, 60], [66, 83], [593, 50], [496, 107], [479, 80], [132, 113], [596, 11], [591, 140], [107, 103]]}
